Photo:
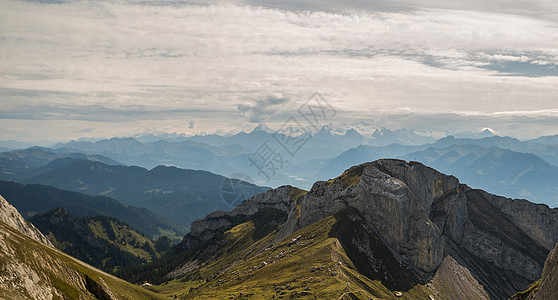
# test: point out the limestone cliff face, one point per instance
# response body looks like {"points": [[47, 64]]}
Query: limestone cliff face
{"points": [[536, 220], [422, 216], [10, 216], [395, 200], [416, 210]]}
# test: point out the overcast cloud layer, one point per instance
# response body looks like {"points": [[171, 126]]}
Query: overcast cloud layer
{"points": [[105, 68]]}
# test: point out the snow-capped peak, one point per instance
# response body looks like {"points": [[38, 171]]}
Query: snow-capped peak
{"points": [[264, 128]]}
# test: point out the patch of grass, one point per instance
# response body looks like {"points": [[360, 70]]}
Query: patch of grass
{"points": [[170, 234], [350, 177], [296, 193], [313, 265], [64, 287], [122, 236], [525, 294]]}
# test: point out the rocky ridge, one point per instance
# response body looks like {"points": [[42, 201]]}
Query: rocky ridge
{"points": [[10, 216], [422, 216]]}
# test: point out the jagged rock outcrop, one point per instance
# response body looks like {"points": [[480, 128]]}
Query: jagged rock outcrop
{"points": [[10, 216], [280, 199], [422, 217], [395, 201]]}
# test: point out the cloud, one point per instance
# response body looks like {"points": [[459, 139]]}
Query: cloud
{"points": [[536, 8], [87, 130], [119, 61], [259, 110]]}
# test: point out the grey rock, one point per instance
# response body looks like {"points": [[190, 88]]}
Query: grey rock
{"points": [[548, 287], [10, 216], [204, 229]]}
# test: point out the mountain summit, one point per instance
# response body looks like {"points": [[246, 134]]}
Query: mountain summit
{"points": [[263, 128], [382, 229]]}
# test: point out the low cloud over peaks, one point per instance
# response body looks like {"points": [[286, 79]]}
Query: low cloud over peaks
{"points": [[259, 110]]}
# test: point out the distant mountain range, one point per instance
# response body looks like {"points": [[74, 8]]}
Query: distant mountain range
{"points": [[359, 155], [177, 194], [14, 145], [215, 153], [500, 171], [486, 163], [184, 154], [180, 195], [547, 140], [33, 199], [228, 154], [20, 164], [329, 151], [548, 152], [362, 132]]}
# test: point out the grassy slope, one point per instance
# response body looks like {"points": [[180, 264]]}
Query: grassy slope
{"points": [[101, 241], [314, 265], [55, 270], [121, 236]]}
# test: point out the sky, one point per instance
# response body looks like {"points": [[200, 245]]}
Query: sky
{"points": [[71, 69]]}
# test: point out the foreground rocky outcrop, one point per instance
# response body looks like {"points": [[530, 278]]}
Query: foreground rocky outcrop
{"points": [[547, 286], [30, 268], [10, 216], [428, 222]]}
